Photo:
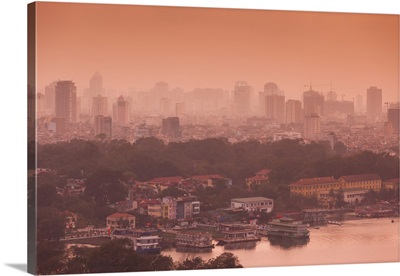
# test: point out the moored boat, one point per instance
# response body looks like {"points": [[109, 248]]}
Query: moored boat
{"points": [[287, 228]]}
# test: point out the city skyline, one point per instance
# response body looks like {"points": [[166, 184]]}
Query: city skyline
{"points": [[137, 46]]}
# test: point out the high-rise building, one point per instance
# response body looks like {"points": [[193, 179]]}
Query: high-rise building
{"points": [[274, 102], [165, 106], [170, 127], [121, 111], [393, 118], [313, 102], [332, 138], [312, 126], [179, 109], [374, 104], [359, 104], [294, 114], [96, 85], [65, 101], [103, 125], [99, 106], [50, 94], [242, 98], [275, 108]]}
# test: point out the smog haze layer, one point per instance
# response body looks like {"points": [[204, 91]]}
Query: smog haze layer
{"points": [[137, 46]]}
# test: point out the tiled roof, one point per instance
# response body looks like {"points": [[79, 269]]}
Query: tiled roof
{"points": [[263, 172], [171, 179], [250, 199], [120, 215], [207, 176], [257, 177], [314, 181], [393, 180], [361, 177]]}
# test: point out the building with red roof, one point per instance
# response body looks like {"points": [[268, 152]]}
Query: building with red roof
{"points": [[120, 220], [370, 181], [208, 180], [261, 178]]}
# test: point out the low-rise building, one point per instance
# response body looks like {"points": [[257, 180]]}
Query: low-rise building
{"points": [[370, 181], [209, 180], [314, 186], [250, 204], [261, 178], [120, 220]]}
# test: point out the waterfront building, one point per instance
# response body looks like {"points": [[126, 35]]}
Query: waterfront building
{"points": [[251, 204], [120, 220], [320, 187], [313, 186], [374, 104], [361, 181]]}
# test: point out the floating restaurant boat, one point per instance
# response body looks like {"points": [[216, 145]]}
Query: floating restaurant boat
{"points": [[237, 233], [194, 240], [143, 241], [287, 228]]}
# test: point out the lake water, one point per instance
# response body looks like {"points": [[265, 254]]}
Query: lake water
{"points": [[356, 241]]}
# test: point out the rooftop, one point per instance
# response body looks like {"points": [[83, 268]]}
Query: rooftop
{"points": [[250, 199], [120, 215], [314, 181], [361, 177]]}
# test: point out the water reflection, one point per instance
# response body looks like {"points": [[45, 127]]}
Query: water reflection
{"points": [[193, 250], [287, 243], [240, 245]]}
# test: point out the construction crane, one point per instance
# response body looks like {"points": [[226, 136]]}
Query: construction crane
{"points": [[311, 85]]}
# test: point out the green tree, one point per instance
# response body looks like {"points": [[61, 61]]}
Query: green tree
{"points": [[225, 260], [105, 187]]}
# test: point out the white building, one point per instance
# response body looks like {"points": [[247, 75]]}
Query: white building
{"points": [[251, 204], [287, 135]]}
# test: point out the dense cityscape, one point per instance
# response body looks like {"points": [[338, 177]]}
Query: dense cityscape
{"points": [[179, 183], [174, 115]]}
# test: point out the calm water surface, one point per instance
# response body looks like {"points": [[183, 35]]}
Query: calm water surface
{"points": [[356, 241]]}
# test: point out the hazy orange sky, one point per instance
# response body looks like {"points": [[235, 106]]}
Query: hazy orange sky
{"points": [[136, 46]]}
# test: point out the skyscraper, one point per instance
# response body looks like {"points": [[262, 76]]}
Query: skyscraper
{"points": [[170, 127], [313, 102], [103, 125], [65, 101], [294, 113], [393, 118], [121, 111], [50, 92], [242, 98], [374, 104], [274, 103], [99, 106], [312, 126], [96, 85]]}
